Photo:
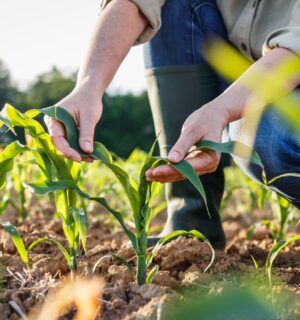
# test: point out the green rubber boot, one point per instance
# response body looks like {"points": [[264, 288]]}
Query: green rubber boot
{"points": [[174, 93]]}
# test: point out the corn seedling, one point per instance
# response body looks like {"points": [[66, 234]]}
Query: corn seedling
{"points": [[53, 167], [276, 249], [4, 202], [283, 213]]}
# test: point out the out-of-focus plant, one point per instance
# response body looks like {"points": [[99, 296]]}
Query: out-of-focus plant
{"points": [[240, 296], [4, 202], [283, 213], [242, 192], [276, 249], [232, 302], [84, 294], [272, 90]]}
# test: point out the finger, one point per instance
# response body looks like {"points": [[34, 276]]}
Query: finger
{"points": [[204, 162], [163, 171], [55, 128], [88, 159], [174, 178], [63, 146], [186, 140], [86, 132], [57, 134]]}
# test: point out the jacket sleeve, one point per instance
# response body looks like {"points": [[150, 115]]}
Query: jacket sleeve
{"points": [[152, 11], [288, 36]]}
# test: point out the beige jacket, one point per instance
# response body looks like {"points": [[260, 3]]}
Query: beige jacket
{"points": [[254, 26]]}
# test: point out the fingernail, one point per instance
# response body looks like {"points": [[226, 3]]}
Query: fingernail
{"points": [[88, 146], [174, 156]]}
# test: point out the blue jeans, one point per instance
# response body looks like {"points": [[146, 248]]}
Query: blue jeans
{"points": [[186, 25]]}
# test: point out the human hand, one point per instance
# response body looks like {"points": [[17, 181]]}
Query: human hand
{"points": [[207, 123], [86, 109]]}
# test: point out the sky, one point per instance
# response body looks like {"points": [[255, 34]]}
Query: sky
{"points": [[36, 35]]}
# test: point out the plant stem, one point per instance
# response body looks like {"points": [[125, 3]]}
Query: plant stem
{"points": [[73, 262], [141, 269]]}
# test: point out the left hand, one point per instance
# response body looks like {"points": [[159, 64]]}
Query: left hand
{"points": [[206, 123]]}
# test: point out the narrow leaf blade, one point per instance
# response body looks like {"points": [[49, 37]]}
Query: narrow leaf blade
{"points": [[17, 240], [81, 224]]}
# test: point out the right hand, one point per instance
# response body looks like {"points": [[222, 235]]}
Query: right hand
{"points": [[86, 110]]}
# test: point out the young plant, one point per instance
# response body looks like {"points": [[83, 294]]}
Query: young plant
{"points": [[20, 246], [276, 249], [53, 167]]}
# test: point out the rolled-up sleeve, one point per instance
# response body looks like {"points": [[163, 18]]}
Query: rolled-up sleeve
{"points": [[152, 11], [288, 37]]}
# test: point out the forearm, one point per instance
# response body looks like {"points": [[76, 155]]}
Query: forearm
{"points": [[235, 99], [115, 32]]}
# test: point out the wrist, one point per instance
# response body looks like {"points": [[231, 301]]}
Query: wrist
{"points": [[232, 103], [91, 86], [220, 112]]}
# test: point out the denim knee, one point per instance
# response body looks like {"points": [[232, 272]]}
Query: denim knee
{"points": [[279, 149], [186, 25]]}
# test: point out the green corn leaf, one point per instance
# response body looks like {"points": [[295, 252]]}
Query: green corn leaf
{"points": [[125, 262], [254, 262], [44, 163], [261, 197], [17, 240], [150, 162], [130, 191], [232, 147], [158, 209], [4, 203], [81, 224], [65, 117], [53, 186], [193, 233], [62, 115], [55, 242], [188, 171], [275, 250], [285, 175], [5, 121], [7, 160], [268, 224], [120, 219], [42, 139], [101, 153], [44, 187], [152, 274]]}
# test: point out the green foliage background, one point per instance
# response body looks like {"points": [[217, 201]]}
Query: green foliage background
{"points": [[126, 122]]}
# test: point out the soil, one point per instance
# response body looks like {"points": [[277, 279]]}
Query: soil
{"points": [[181, 265]]}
